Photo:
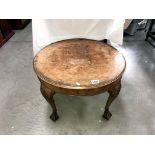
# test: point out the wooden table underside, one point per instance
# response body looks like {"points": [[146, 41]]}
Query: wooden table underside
{"points": [[59, 71], [48, 92]]}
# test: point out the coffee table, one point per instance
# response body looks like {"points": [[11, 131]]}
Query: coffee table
{"points": [[79, 67]]}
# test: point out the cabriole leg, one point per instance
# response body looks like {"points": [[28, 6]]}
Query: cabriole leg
{"points": [[48, 95], [113, 93]]}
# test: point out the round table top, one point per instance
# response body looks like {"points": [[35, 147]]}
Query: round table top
{"points": [[79, 64]]}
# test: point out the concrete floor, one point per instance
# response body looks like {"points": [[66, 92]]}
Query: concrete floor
{"points": [[23, 110]]}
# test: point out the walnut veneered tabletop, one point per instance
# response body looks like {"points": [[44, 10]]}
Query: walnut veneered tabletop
{"points": [[79, 67]]}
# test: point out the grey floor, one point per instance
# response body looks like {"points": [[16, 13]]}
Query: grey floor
{"points": [[24, 111]]}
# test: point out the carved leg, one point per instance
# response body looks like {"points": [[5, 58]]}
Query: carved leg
{"points": [[48, 95], [113, 93]]}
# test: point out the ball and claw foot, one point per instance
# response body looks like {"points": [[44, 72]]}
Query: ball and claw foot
{"points": [[107, 115], [54, 116]]}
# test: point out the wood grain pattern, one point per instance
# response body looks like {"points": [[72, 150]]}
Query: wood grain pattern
{"points": [[74, 63]]}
